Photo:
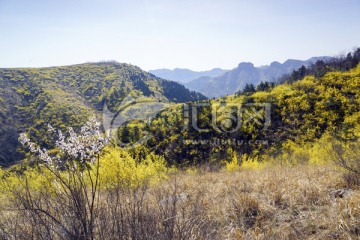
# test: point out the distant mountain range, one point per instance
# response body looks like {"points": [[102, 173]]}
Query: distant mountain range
{"points": [[218, 82], [183, 75]]}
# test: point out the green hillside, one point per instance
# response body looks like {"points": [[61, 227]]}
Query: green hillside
{"points": [[301, 113], [32, 98]]}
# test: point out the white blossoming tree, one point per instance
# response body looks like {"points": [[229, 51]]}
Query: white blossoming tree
{"points": [[74, 173]]}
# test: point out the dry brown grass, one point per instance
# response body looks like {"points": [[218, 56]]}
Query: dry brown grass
{"points": [[272, 203]]}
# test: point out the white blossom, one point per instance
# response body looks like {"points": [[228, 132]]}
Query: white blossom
{"points": [[81, 147], [50, 128]]}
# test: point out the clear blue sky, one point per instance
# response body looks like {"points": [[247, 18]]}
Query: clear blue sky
{"points": [[195, 34]]}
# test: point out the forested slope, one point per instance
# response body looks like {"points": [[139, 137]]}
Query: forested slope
{"points": [[301, 113], [32, 98]]}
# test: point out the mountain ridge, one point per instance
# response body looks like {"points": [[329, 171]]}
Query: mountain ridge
{"points": [[183, 75], [246, 73]]}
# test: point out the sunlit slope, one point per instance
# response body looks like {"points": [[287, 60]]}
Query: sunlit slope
{"points": [[32, 98]]}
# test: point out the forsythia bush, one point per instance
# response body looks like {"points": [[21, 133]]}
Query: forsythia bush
{"points": [[233, 165], [246, 163], [36, 180], [249, 163], [320, 153], [118, 168]]}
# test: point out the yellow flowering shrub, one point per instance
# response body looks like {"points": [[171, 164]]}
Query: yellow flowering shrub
{"points": [[118, 168], [249, 163], [233, 165]]}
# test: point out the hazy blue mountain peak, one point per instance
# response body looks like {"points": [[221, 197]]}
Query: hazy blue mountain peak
{"points": [[245, 65], [246, 73]]}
